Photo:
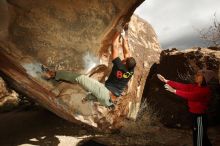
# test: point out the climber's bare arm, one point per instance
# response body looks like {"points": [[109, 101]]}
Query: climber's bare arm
{"points": [[125, 47], [115, 45]]}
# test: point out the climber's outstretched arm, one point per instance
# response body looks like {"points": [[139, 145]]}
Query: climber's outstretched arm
{"points": [[125, 46], [115, 45]]}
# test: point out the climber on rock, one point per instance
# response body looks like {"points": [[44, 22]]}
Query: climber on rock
{"points": [[122, 71]]}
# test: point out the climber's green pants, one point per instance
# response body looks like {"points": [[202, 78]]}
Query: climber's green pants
{"points": [[96, 88]]}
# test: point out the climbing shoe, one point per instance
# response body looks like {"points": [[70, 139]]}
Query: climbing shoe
{"points": [[47, 73]]}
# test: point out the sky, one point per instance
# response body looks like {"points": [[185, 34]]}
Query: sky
{"points": [[177, 22]]}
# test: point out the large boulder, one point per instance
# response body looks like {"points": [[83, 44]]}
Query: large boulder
{"points": [[64, 34], [181, 66], [75, 36]]}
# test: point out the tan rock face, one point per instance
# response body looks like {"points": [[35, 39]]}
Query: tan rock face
{"points": [[76, 36], [61, 33], [145, 49], [181, 66]]}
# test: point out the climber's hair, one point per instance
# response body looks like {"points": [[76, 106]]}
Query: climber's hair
{"points": [[130, 63]]}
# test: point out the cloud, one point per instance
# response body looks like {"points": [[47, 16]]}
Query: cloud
{"points": [[188, 40], [174, 19]]}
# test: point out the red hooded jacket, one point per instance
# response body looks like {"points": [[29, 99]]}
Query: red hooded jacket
{"points": [[197, 97]]}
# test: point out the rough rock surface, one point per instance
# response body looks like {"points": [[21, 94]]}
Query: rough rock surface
{"points": [[76, 36], [8, 98], [180, 66], [61, 33]]}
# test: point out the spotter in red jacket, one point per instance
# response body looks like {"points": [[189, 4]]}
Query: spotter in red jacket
{"points": [[198, 97]]}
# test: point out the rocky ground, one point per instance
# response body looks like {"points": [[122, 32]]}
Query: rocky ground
{"points": [[26, 126]]}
